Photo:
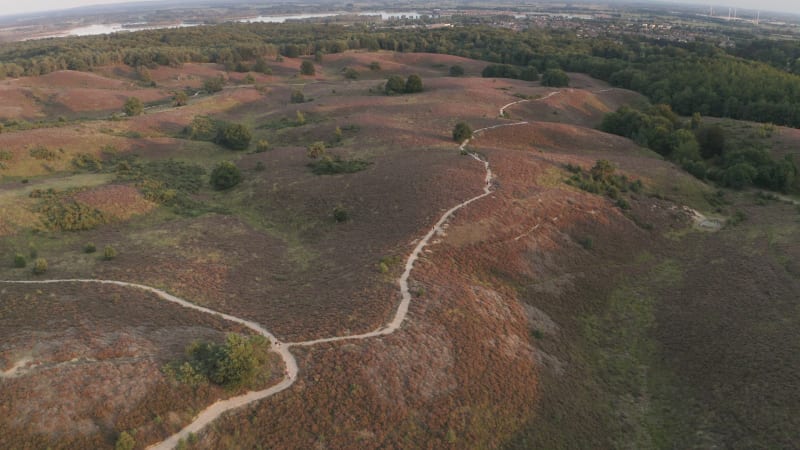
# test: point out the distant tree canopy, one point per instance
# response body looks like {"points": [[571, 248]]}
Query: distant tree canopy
{"points": [[555, 78], [509, 71], [703, 151], [690, 77], [456, 71]]}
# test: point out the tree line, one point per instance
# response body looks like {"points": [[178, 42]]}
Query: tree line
{"points": [[752, 83]]}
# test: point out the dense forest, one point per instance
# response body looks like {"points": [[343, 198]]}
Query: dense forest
{"points": [[752, 83]]}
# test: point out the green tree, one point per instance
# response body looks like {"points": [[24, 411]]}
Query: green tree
{"points": [[461, 132], [555, 78], [125, 442], [133, 106], [300, 118], [602, 170], [456, 71], [234, 136], [307, 68], [394, 85], [413, 84], [20, 261], [225, 176], [262, 145], [374, 65]]}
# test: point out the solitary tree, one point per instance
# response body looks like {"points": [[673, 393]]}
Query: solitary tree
{"points": [[125, 442], [462, 132], [133, 106], [297, 96], [307, 68], [602, 170], [413, 84], [225, 175], [555, 78]]}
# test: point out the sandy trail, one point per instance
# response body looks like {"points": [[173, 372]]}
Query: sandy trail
{"points": [[218, 408]]}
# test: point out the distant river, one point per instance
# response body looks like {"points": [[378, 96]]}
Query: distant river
{"points": [[91, 30]]}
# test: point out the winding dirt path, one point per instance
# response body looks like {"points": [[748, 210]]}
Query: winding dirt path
{"points": [[215, 410]]}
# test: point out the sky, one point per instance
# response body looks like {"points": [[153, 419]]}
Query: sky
{"points": [[26, 6]]}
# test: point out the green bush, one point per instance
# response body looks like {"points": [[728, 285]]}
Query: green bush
{"points": [[20, 261], [109, 253], [307, 68], [394, 85], [297, 96], [43, 153], [133, 107], [89, 248], [456, 71], [225, 176], [316, 150], [235, 363], [461, 132], [39, 266], [262, 146], [413, 84], [180, 98], [340, 214], [350, 73], [234, 136], [215, 84], [125, 442], [374, 65], [330, 166], [87, 161]]}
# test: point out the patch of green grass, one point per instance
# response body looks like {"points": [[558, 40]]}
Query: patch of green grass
{"points": [[331, 166]]}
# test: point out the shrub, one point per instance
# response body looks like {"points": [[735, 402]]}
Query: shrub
{"points": [[262, 146], [340, 214], [330, 166], [234, 136], [260, 167], [300, 118], [232, 364], [586, 242], [202, 128], [456, 71], [180, 98], [43, 153], [89, 248], [125, 442], [297, 96], [461, 132], [215, 84], [6, 155], [413, 84], [20, 261], [351, 74], [555, 78], [316, 150], [394, 85], [109, 253], [39, 266], [225, 175], [374, 65], [307, 68], [133, 107], [337, 134], [87, 161]]}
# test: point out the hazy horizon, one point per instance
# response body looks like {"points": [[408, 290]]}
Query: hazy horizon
{"points": [[39, 6]]}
